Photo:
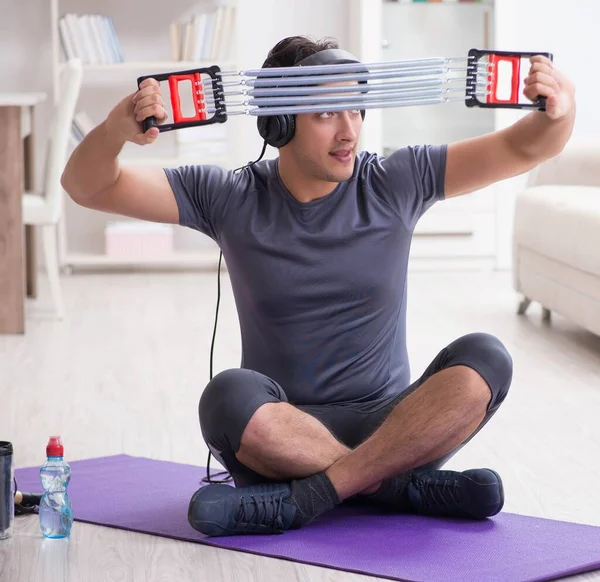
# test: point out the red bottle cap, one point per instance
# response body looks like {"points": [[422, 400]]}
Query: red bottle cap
{"points": [[54, 448]]}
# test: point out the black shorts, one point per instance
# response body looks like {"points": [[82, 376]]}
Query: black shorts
{"points": [[233, 396]]}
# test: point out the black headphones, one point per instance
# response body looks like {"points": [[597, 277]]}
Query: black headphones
{"points": [[278, 130]]}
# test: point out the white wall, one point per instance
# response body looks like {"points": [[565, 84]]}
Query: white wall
{"points": [[569, 30], [25, 57]]}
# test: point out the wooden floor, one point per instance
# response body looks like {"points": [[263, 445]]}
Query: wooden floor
{"points": [[124, 372]]}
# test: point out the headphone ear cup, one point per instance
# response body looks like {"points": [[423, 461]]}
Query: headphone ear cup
{"points": [[288, 129], [262, 123], [276, 130]]}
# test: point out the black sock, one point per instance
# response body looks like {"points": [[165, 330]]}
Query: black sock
{"points": [[312, 497]]}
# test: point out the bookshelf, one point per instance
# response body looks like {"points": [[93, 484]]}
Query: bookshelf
{"points": [[183, 34], [182, 260], [141, 66]]}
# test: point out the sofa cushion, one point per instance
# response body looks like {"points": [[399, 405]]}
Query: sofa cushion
{"points": [[561, 222]]}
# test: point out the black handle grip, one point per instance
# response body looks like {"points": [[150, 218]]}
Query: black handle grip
{"points": [[541, 103], [148, 123]]}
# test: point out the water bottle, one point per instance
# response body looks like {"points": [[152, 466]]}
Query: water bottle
{"points": [[56, 514]]}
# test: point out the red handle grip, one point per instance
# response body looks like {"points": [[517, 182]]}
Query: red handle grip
{"points": [[515, 81], [197, 97]]}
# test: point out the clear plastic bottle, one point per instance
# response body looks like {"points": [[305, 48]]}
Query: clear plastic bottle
{"points": [[56, 514]]}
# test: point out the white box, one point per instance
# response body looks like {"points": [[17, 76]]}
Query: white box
{"points": [[132, 239]]}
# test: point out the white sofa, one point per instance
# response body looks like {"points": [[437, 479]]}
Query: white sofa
{"points": [[556, 237]]}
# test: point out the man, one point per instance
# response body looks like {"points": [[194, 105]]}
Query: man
{"points": [[317, 243]]}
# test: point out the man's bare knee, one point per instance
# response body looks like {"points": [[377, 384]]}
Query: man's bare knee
{"points": [[262, 426], [475, 384], [281, 441]]}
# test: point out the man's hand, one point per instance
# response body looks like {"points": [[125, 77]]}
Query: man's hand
{"points": [[547, 81], [477, 162], [124, 122]]}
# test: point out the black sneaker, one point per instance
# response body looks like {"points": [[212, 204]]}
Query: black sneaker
{"points": [[221, 510], [392, 493], [474, 494]]}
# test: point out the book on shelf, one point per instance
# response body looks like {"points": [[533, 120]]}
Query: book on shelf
{"points": [[89, 37], [204, 36]]}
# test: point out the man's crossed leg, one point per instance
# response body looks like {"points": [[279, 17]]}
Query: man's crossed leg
{"points": [[290, 464]]}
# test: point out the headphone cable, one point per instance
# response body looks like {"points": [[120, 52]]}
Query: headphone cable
{"points": [[228, 478]]}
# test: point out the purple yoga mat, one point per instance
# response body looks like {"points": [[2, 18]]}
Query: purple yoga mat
{"points": [[152, 497]]}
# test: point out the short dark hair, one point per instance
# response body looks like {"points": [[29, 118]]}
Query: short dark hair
{"points": [[291, 50]]}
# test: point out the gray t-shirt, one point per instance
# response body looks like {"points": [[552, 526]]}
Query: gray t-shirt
{"points": [[320, 287]]}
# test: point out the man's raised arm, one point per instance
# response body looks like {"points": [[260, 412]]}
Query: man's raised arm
{"points": [[478, 162], [93, 177]]}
